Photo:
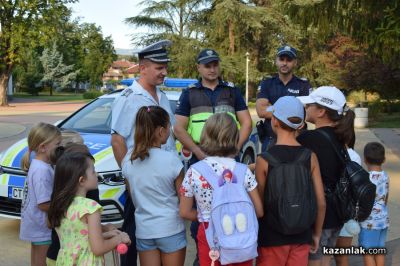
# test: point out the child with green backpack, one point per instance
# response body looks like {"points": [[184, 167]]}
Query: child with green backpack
{"points": [[289, 181]]}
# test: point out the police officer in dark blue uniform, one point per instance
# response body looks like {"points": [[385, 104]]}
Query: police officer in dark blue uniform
{"points": [[285, 83], [210, 92]]}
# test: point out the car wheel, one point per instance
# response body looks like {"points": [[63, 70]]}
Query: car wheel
{"points": [[248, 157]]}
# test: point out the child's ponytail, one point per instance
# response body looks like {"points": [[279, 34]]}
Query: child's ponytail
{"points": [[26, 160], [148, 119]]}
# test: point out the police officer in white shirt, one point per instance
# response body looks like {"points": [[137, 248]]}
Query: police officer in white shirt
{"points": [[153, 62]]}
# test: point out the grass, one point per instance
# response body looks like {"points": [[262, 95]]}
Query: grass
{"points": [[56, 97], [384, 120]]}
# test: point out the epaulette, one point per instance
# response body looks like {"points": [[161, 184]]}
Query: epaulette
{"points": [[127, 92]]}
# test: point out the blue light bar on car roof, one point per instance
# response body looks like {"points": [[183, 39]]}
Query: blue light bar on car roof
{"points": [[168, 82]]}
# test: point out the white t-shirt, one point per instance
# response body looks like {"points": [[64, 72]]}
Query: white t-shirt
{"points": [[37, 190], [152, 186], [379, 217], [195, 185]]}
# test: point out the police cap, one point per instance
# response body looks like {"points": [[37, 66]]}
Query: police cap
{"points": [[287, 50], [156, 52], [206, 56]]}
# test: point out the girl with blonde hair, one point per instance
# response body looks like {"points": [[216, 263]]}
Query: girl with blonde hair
{"points": [[42, 140]]}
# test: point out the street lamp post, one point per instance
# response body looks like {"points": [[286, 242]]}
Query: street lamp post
{"points": [[247, 78]]}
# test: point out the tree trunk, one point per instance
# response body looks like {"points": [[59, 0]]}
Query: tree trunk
{"points": [[231, 37], [4, 77]]}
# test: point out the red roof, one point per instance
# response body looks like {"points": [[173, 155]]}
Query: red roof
{"points": [[133, 69], [122, 64]]}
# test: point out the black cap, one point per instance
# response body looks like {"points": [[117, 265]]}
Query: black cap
{"points": [[206, 56], [287, 50], [156, 52]]}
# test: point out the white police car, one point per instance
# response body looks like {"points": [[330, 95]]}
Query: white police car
{"points": [[92, 121]]}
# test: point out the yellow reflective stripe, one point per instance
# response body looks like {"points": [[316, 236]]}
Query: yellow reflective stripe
{"points": [[9, 157], [102, 154], [110, 193], [4, 179]]}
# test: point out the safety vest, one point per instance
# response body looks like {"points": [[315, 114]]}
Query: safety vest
{"points": [[202, 108]]}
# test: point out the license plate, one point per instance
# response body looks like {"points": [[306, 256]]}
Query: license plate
{"points": [[17, 193]]}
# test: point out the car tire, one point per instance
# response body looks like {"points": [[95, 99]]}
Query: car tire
{"points": [[248, 157]]}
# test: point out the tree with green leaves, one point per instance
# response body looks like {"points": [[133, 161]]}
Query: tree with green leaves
{"points": [[17, 19], [165, 18], [373, 25], [235, 27], [55, 73], [174, 20], [98, 53], [28, 72]]}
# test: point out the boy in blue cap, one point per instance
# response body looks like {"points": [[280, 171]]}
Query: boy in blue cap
{"points": [[284, 245]]}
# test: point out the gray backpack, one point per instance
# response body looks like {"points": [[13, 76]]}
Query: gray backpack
{"points": [[233, 225], [289, 196]]}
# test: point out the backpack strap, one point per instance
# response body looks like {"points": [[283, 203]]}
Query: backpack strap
{"points": [[240, 172], [272, 160], [304, 155], [343, 155], [207, 172]]}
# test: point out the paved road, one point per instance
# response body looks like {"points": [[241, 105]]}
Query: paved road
{"points": [[16, 121]]}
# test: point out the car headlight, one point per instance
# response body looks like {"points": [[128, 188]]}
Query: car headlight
{"points": [[112, 178]]}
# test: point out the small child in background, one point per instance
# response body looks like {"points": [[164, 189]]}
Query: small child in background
{"points": [[154, 176], [374, 229], [77, 218], [42, 140]]}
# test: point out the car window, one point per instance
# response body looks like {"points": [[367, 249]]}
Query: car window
{"points": [[93, 118]]}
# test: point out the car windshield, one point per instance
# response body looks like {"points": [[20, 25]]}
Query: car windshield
{"points": [[96, 117], [93, 118]]}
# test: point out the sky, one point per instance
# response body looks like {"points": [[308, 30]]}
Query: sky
{"points": [[109, 14]]}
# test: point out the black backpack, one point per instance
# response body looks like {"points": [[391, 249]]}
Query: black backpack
{"points": [[289, 196], [354, 194]]}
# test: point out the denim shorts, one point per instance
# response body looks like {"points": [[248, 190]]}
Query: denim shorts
{"points": [[328, 239], [372, 238], [167, 244]]}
